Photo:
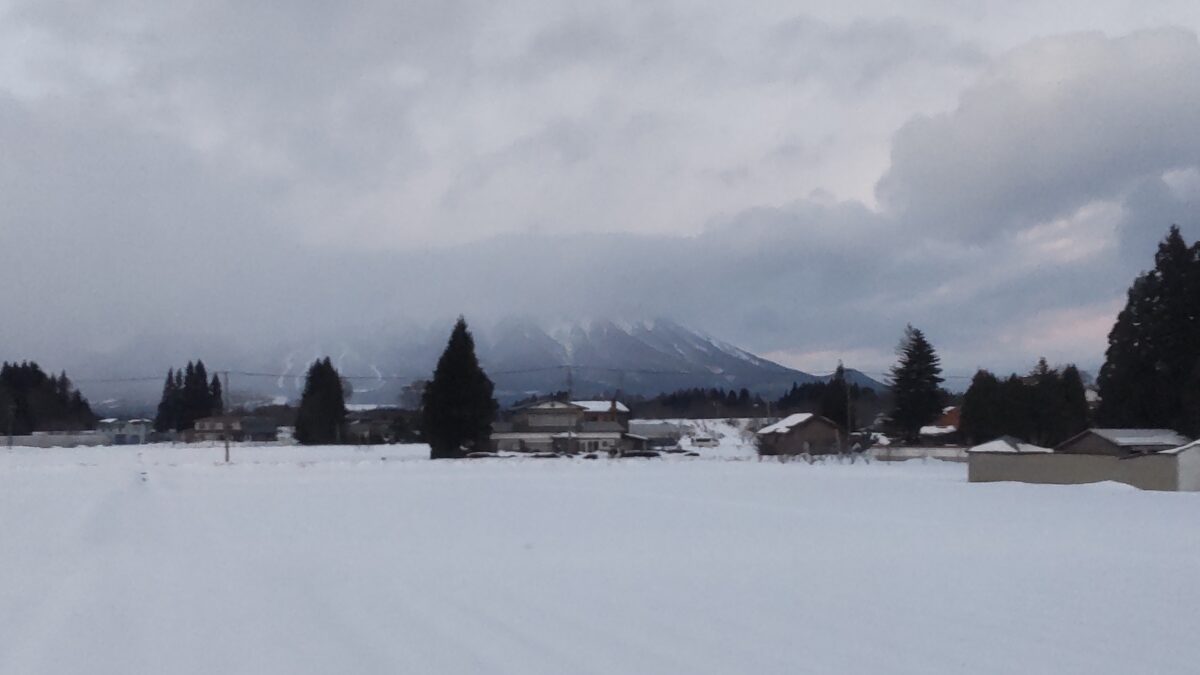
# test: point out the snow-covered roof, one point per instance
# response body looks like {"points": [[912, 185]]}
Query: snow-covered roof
{"points": [[1194, 445], [786, 424], [600, 406], [938, 431], [1008, 445], [1132, 437]]}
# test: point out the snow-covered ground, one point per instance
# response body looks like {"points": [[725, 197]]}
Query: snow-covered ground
{"points": [[344, 560]]}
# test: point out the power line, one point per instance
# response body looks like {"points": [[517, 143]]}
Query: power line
{"points": [[514, 371]]}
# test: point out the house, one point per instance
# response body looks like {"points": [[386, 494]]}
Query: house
{"points": [[374, 425], [567, 427], [800, 434], [234, 428], [1121, 442], [127, 432], [1144, 458]]}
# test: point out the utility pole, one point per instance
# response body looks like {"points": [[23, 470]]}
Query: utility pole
{"points": [[12, 412], [224, 409], [849, 422]]}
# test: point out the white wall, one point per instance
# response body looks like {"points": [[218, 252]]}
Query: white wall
{"points": [[1189, 470]]}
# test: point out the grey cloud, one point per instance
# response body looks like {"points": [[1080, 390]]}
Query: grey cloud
{"points": [[1055, 125], [858, 54], [242, 177]]}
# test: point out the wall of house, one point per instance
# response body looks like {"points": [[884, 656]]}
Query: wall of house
{"points": [[558, 419], [1150, 472], [522, 443]]}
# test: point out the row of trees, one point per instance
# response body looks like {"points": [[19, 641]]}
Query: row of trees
{"points": [[1045, 407], [1150, 377], [700, 403], [31, 400], [187, 396]]}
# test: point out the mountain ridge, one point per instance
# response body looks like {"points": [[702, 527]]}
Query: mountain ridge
{"points": [[524, 356]]}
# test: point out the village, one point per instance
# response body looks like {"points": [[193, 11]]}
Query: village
{"points": [[1151, 459]]}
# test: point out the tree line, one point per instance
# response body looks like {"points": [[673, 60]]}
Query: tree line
{"points": [[699, 403], [31, 400], [1045, 407]]}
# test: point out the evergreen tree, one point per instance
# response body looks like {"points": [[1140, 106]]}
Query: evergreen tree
{"points": [[835, 399], [458, 407], [981, 409], [321, 417], [216, 396], [1045, 403], [167, 416], [916, 380], [1075, 412]]}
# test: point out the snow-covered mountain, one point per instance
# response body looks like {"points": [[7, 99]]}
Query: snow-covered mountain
{"points": [[523, 356], [641, 357]]}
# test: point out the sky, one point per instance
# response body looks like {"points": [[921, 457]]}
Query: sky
{"points": [[801, 179]]}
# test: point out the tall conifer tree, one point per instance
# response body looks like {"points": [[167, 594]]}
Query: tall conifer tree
{"points": [[458, 407], [916, 385], [321, 417]]}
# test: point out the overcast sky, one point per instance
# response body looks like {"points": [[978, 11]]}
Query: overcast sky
{"points": [[799, 178]]}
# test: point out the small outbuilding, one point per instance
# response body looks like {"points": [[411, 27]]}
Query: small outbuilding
{"points": [[800, 434], [1172, 468]]}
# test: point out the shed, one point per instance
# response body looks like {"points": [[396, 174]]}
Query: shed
{"points": [[1173, 469]]}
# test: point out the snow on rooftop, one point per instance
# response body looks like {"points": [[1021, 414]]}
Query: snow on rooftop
{"points": [[1194, 445], [1127, 437], [934, 430], [600, 406], [1005, 445], [786, 424]]}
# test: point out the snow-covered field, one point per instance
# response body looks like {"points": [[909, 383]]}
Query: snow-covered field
{"points": [[340, 560]]}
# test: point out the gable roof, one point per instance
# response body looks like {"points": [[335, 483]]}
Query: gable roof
{"points": [[1194, 445], [600, 406], [1008, 444], [1136, 437], [790, 422], [548, 404]]}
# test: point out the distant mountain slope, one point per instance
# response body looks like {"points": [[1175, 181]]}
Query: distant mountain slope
{"points": [[641, 357], [523, 356]]}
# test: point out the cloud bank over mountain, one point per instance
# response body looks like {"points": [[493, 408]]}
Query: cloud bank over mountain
{"points": [[800, 181]]}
